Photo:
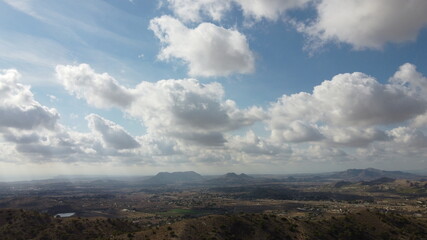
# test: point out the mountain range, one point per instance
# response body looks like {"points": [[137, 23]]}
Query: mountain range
{"points": [[353, 175], [370, 174]]}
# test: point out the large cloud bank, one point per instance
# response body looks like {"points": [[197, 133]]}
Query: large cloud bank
{"points": [[350, 117]]}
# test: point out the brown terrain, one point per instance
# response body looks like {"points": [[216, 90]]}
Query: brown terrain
{"points": [[354, 204]]}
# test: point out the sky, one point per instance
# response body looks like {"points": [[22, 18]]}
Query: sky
{"points": [[134, 87]]}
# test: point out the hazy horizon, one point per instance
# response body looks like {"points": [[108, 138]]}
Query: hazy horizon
{"points": [[120, 176]]}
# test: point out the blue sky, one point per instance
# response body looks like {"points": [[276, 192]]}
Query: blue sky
{"points": [[135, 87]]}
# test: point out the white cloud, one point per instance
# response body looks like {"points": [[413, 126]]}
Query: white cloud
{"points": [[33, 132], [188, 121], [21, 139], [100, 90], [407, 137], [363, 24], [297, 131], [52, 98], [252, 144], [359, 100], [407, 145], [25, 124], [408, 75], [268, 9], [318, 153], [30, 132], [353, 137], [45, 152], [45, 145], [367, 24], [197, 10], [18, 109], [189, 110], [184, 109], [208, 50], [348, 109], [112, 134], [346, 118], [158, 145], [350, 99], [191, 10]]}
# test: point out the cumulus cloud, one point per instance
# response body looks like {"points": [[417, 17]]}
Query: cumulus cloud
{"points": [[406, 144], [208, 50], [112, 134], [297, 131], [32, 130], [346, 109], [21, 138], [100, 90], [271, 9], [319, 153], [367, 24], [354, 99], [363, 24], [53, 152], [158, 145], [190, 10], [41, 145], [18, 109], [184, 109], [252, 144], [195, 10], [189, 121], [408, 75], [352, 136], [25, 124], [189, 110], [409, 137], [358, 99]]}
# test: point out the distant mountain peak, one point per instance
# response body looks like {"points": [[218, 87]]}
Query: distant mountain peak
{"points": [[232, 178], [178, 173], [234, 175], [175, 177], [230, 174], [370, 174]]}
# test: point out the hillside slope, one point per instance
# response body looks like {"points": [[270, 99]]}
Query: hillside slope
{"points": [[362, 225], [368, 225], [368, 174], [25, 224]]}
